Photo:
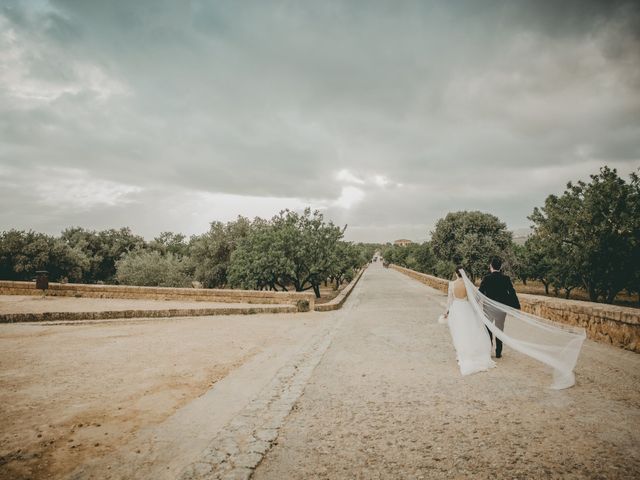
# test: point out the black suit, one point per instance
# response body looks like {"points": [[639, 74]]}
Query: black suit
{"points": [[498, 287]]}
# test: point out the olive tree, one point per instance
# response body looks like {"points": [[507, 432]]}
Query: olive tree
{"points": [[591, 234]]}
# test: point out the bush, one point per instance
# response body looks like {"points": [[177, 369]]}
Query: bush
{"points": [[152, 269]]}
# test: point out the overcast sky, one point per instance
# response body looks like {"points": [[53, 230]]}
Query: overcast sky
{"points": [[166, 115]]}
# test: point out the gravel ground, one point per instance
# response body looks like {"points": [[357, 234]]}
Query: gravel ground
{"points": [[387, 401]]}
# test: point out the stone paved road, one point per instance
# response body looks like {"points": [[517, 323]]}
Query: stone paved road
{"points": [[386, 401]]}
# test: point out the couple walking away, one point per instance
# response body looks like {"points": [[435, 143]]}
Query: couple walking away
{"points": [[475, 316]]}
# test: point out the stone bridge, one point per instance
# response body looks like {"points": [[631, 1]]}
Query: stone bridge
{"points": [[374, 392]]}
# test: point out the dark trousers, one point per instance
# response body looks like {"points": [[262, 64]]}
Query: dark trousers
{"points": [[498, 317], [498, 343]]}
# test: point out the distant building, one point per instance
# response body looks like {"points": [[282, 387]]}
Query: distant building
{"points": [[403, 242]]}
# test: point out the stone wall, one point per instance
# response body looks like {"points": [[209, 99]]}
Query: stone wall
{"points": [[304, 301], [337, 302], [619, 326], [120, 314]]}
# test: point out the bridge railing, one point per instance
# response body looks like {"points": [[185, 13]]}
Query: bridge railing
{"points": [[612, 324]]}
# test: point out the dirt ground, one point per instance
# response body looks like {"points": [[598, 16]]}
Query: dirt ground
{"points": [[70, 393], [37, 304], [537, 288]]}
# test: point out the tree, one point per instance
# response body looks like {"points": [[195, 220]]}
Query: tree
{"points": [[291, 250], [346, 260], [23, 253], [259, 262], [416, 256], [591, 232], [210, 253], [471, 238], [151, 268], [169, 242], [102, 249]]}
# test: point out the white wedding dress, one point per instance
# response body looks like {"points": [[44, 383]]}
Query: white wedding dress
{"points": [[470, 337]]}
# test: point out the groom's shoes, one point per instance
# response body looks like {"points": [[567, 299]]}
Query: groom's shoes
{"points": [[498, 355]]}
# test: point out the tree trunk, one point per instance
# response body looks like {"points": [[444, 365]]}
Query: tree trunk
{"points": [[546, 287], [316, 290]]}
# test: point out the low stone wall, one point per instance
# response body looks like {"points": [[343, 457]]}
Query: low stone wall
{"points": [[304, 301], [430, 280], [123, 314], [619, 326], [337, 302]]}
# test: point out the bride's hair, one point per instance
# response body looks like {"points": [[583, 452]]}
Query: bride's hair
{"points": [[458, 271]]}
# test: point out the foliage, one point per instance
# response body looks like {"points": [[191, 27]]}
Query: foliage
{"points": [[152, 269], [347, 258], [292, 249], [591, 234], [102, 250], [169, 242], [23, 253], [469, 238], [415, 256], [210, 253]]}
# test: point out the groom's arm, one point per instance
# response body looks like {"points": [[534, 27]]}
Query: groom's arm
{"points": [[483, 286], [515, 303]]}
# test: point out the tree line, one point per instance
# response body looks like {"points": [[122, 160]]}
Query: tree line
{"points": [[588, 238], [291, 251]]}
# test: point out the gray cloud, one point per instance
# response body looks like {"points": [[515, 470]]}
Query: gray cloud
{"points": [[170, 108]]}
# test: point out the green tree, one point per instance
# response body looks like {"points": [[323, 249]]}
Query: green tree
{"points": [[416, 256], [102, 249], [169, 242], [259, 262], [471, 238], [151, 268], [291, 250], [23, 253], [346, 260], [591, 232], [537, 260], [210, 253]]}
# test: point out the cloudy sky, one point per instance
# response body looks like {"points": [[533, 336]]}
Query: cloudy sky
{"points": [[166, 115]]}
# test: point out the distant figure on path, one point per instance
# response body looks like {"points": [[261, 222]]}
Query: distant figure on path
{"points": [[498, 287]]}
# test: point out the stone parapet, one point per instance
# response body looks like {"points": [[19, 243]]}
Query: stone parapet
{"points": [[337, 302], [124, 314], [612, 324], [304, 301]]}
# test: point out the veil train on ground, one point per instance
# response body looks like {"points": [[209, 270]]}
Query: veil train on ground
{"points": [[556, 345]]}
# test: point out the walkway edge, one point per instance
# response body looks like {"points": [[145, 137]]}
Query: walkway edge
{"points": [[125, 314], [338, 302]]}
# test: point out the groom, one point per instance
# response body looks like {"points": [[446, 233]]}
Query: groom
{"points": [[498, 287]]}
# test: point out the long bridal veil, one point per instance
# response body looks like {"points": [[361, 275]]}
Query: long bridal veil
{"points": [[556, 345]]}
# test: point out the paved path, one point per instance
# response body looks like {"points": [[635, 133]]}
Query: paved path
{"points": [[386, 401]]}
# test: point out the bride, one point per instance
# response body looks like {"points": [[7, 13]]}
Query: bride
{"points": [[470, 337]]}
